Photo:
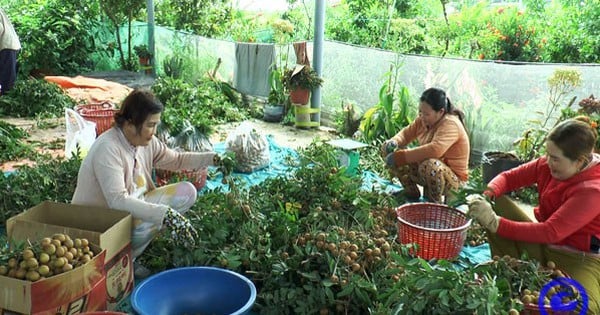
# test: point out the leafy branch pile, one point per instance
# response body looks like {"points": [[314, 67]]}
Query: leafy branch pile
{"points": [[202, 104], [315, 242], [50, 179], [35, 98], [12, 146]]}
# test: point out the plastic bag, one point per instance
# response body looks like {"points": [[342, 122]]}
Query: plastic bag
{"points": [[80, 133], [250, 147]]}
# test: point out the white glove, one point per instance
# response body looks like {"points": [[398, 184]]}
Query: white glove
{"points": [[481, 210], [180, 228]]}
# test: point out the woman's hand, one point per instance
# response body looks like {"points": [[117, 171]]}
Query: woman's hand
{"points": [[180, 228], [388, 147], [481, 210]]}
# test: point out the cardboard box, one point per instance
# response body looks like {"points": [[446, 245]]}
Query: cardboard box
{"points": [[110, 229], [79, 290]]}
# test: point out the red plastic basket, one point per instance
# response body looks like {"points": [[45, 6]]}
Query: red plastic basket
{"points": [[197, 177], [100, 113], [438, 230]]}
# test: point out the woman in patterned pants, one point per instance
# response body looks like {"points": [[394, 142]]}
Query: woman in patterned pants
{"points": [[439, 161]]}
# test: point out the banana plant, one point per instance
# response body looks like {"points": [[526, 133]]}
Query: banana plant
{"points": [[393, 111]]}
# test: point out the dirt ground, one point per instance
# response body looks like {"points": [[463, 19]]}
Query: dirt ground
{"points": [[54, 130]]}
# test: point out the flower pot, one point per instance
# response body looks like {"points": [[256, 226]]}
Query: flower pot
{"points": [[494, 163], [300, 96], [273, 112], [475, 157]]}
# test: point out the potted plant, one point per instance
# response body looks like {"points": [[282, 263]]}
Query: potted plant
{"points": [[277, 102], [143, 54], [300, 81]]}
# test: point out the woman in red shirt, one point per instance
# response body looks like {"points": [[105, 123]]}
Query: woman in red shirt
{"points": [[567, 230]]}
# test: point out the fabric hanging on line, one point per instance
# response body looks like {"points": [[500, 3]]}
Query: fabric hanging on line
{"points": [[252, 68], [301, 53]]}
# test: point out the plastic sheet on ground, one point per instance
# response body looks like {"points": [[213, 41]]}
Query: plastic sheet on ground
{"points": [[280, 167]]}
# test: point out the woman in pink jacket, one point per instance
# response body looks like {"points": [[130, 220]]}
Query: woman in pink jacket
{"points": [[566, 229], [117, 173]]}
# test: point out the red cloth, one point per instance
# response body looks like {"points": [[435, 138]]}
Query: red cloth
{"points": [[90, 90], [569, 211]]}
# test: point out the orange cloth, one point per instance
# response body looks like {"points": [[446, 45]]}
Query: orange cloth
{"points": [[446, 141], [89, 90]]}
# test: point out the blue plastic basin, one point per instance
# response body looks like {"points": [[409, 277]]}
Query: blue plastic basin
{"points": [[193, 291]]}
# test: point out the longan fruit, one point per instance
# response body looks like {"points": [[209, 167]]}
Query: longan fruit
{"points": [[77, 243], [32, 263], [20, 274], [46, 241], [60, 237], [59, 262], [67, 267], [3, 270], [550, 264], [27, 253], [44, 258], [12, 263], [60, 251], [376, 251], [527, 299], [69, 243], [69, 256], [56, 243], [85, 259], [50, 249], [335, 279], [32, 275], [43, 270]]}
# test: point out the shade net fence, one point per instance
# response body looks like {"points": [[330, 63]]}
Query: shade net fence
{"points": [[501, 98]]}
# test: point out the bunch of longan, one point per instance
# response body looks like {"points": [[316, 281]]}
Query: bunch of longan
{"points": [[51, 256]]}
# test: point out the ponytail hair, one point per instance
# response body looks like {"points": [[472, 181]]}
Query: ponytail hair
{"points": [[437, 99]]}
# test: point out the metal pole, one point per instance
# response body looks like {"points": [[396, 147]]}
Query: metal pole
{"points": [[315, 100], [150, 8]]}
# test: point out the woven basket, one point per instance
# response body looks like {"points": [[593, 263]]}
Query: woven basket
{"points": [[438, 230], [533, 309], [196, 177], [100, 113]]}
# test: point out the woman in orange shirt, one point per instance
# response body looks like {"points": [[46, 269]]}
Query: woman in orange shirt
{"points": [[439, 163]]}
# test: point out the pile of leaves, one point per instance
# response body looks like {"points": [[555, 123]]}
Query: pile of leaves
{"points": [[50, 179], [203, 104], [315, 241], [35, 98], [12, 144]]}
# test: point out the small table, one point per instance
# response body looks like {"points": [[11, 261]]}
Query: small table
{"points": [[348, 156]]}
